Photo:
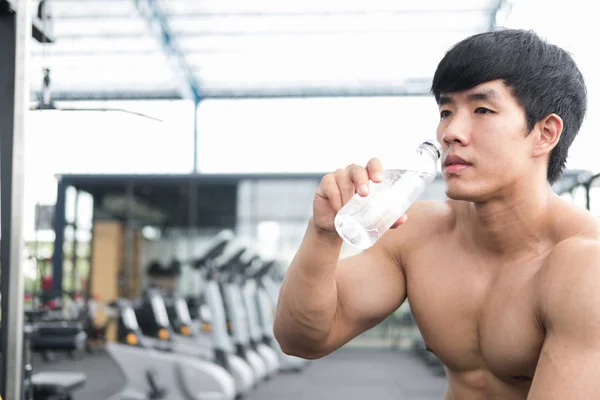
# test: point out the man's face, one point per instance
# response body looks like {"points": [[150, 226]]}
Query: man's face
{"points": [[483, 132]]}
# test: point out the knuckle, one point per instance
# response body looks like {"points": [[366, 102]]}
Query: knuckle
{"points": [[342, 177], [357, 171], [327, 182], [340, 172], [327, 179]]}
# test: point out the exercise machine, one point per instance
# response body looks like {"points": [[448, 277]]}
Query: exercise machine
{"points": [[216, 324], [235, 310], [247, 265], [153, 372], [266, 311], [186, 338]]}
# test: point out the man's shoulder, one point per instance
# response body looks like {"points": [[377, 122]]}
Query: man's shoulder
{"points": [[574, 251], [569, 279], [571, 270], [578, 237]]}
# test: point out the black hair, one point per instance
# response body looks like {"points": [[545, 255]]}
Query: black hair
{"points": [[543, 78]]}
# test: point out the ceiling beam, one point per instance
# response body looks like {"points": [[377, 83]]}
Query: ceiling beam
{"points": [[380, 90], [157, 21], [276, 14]]}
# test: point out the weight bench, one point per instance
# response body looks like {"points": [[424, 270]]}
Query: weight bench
{"points": [[56, 385]]}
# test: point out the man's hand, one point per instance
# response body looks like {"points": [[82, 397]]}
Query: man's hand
{"points": [[569, 365], [337, 189]]}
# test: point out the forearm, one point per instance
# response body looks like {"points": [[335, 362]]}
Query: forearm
{"points": [[308, 297]]}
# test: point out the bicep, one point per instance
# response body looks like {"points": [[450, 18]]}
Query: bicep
{"points": [[568, 367], [370, 286]]}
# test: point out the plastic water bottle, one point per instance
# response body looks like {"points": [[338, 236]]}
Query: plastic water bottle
{"points": [[363, 220]]}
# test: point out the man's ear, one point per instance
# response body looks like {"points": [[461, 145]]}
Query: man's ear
{"points": [[548, 134]]}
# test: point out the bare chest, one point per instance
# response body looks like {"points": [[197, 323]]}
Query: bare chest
{"points": [[474, 319]]}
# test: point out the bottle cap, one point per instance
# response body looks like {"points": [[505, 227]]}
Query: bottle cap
{"points": [[435, 145]]}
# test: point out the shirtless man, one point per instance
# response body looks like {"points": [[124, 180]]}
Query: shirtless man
{"points": [[503, 277]]}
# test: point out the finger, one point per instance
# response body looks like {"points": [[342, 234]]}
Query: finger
{"points": [[400, 221], [375, 170], [360, 178], [328, 189], [345, 185]]}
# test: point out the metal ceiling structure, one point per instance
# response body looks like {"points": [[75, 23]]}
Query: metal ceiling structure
{"points": [[198, 49]]}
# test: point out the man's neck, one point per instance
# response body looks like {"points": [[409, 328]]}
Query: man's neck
{"points": [[512, 225]]}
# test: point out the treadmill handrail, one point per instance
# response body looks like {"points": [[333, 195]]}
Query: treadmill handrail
{"points": [[231, 257], [215, 247], [264, 269]]}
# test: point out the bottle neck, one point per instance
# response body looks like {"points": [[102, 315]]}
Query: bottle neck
{"points": [[428, 151]]}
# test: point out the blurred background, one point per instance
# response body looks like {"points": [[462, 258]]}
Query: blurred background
{"points": [[157, 124]]}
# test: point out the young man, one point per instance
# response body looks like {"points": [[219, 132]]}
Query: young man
{"points": [[503, 277]]}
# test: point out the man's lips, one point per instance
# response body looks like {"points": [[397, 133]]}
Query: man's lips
{"points": [[454, 163], [450, 169]]}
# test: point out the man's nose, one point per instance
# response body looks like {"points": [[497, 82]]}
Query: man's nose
{"points": [[458, 131]]}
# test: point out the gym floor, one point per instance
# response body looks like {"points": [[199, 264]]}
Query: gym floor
{"points": [[349, 374]]}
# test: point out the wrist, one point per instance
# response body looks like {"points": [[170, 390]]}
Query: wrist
{"points": [[324, 235]]}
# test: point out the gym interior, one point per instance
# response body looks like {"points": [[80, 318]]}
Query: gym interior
{"points": [[159, 160]]}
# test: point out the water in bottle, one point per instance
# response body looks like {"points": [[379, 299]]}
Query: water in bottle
{"points": [[363, 220]]}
